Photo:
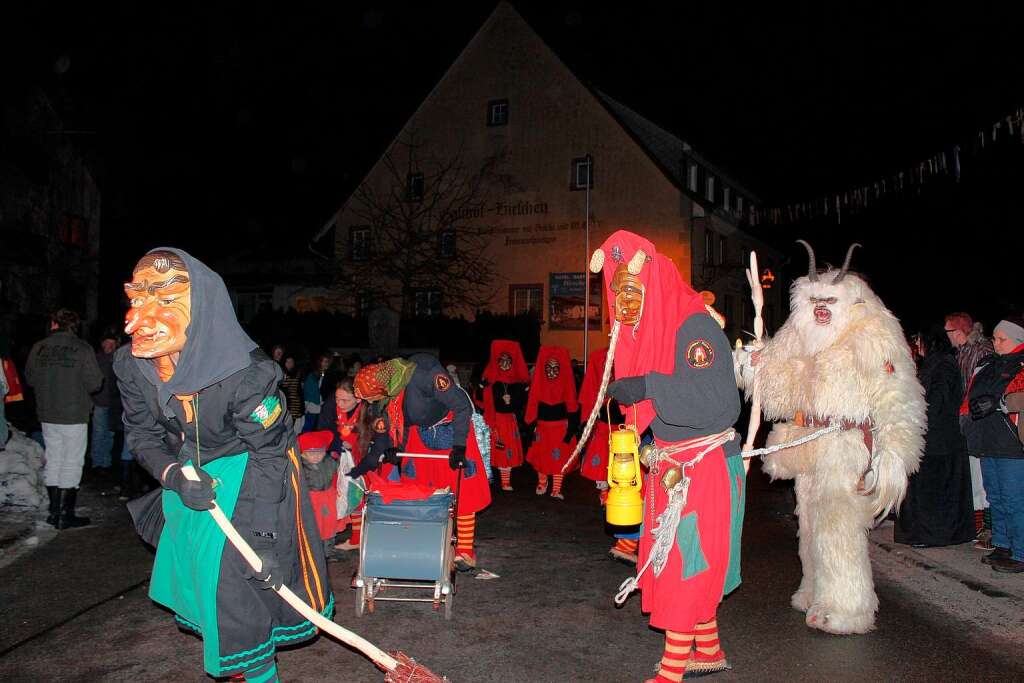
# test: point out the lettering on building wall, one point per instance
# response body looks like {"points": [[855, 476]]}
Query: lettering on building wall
{"points": [[537, 233]]}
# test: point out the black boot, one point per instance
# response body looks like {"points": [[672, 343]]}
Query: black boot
{"points": [[53, 519], [68, 520], [128, 480]]}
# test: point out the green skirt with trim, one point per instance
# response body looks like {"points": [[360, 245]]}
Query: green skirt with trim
{"points": [[200, 576]]}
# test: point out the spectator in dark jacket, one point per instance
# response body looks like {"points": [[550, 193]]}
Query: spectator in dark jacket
{"points": [[63, 371], [938, 509], [103, 400], [991, 420]]}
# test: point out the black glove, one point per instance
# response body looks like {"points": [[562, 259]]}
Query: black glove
{"points": [[270, 576], [629, 390], [390, 456], [983, 406], [197, 495], [457, 458]]}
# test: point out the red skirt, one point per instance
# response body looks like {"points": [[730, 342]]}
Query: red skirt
{"points": [[595, 456], [689, 588], [325, 509], [506, 446], [475, 491], [548, 452]]}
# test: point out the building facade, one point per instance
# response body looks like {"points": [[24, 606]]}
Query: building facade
{"points": [[510, 173], [50, 207]]}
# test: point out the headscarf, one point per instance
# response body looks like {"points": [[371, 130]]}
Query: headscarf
{"points": [[592, 381], [562, 389], [390, 379], [650, 346], [216, 346]]}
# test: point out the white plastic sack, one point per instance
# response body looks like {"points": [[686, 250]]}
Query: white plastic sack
{"points": [[345, 463]]}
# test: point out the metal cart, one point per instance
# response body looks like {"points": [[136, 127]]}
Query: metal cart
{"points": [[407, 545]]}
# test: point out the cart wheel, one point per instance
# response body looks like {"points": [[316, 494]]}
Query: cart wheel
{"points": [[448, 604], [361, 601]]}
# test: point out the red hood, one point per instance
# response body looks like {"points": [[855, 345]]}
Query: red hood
{"points": [[650, 346]]}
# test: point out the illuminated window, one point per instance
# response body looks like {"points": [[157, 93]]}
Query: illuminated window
{"points": [[691, 176], [427, 303], [524, 299], [497, 113], [582, 173]]}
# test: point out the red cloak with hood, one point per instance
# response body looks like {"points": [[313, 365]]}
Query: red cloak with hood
{"points": [[650, 346], [549, 452], [688, 589], [517, 374]]}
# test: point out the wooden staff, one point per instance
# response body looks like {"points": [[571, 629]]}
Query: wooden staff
{"points": [[757, 296]]}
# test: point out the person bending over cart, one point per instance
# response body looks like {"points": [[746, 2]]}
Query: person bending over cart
{"points": [[420, 409]]}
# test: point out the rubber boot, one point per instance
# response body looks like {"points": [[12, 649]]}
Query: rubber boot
{"points": [[68, 520], [53, 519]]}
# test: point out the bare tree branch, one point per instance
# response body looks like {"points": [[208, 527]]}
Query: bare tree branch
{"points": [[406, 232]]}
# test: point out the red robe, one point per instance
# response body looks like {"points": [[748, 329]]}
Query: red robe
{"points": [[549, 451], [690, 586], [506, 444]]}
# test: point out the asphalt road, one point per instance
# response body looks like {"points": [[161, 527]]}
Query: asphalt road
{"points": [[76, 610]]}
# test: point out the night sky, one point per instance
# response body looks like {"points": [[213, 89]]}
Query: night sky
{"points": [[246, 124]]}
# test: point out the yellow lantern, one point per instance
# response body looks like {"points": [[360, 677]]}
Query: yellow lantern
{"points": [[625, 505]]}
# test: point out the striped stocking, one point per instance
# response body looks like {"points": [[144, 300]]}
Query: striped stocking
{"points": [[708, 656], [465, 529], [626, 545], [556, 486], [357, 527], [506, 478], [673, 662]]}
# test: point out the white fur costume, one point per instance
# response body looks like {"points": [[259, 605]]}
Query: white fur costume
{"points": [[846, 361]]}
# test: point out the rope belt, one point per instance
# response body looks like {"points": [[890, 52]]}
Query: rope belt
{"points": [[664, 531]]}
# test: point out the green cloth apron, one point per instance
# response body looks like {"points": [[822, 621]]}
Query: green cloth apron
{"points": [[738, 498], [187, 567]]}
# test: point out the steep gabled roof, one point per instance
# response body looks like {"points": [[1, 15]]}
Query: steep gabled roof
{"points": [[665, 149]]}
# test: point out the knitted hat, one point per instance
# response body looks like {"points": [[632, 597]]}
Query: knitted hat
{"points": [[1013, 328]]}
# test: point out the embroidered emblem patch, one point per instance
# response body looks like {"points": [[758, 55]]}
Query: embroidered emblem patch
{"points": [[699, 354], [379, 426], [267, 411], [442, 382]]}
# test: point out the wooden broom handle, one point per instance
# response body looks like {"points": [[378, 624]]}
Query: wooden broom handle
{"points": [[319, 620]]}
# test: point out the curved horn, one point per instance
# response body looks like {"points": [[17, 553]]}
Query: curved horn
{"points": [[812, 268], [597, 261], [846, 263], [636, 264]]}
